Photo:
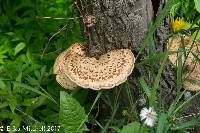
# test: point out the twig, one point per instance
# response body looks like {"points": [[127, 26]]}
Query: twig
{"points": [[46, 46], [46, 17], [33, 119], [99, 124], [58, 32], [190, 115]]}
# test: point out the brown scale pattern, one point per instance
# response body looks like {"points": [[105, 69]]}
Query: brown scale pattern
{"points": [[110, 70], [192, 68], [61, 78], [65, 82]]}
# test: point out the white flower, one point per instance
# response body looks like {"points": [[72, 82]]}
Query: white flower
{"points": [[149, 115]]}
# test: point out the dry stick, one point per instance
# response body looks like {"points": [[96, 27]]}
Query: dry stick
{"points": [[25, 114], [190, 115], [46, 46], [99, 124], [52, 38], [81, 14], [46, 17], [62, 29], [95, 101]]}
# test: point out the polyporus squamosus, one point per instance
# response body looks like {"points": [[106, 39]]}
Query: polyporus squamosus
{"points": [[110, 70], [192, 67], [65, 82], [61, 78]]}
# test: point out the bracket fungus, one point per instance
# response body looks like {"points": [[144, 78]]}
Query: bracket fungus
{"points": [[110, 70], [191, 66], [65, 82], [61, 78]]}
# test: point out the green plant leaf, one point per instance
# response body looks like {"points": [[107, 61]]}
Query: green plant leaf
{"points": [[7, 115], [134, 126], [33, 90], [145, 87], [196, 35], [180, 69], [116, 129], [175, 9], [32, 81], [157, 23], [71, 114], [19, 47], [185, 103], [197, 5], [12, 103], [16, 122], [162, 123], [153, 98], [3, 105], [144, 129]]}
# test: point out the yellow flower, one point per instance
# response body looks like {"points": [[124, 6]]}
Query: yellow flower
{"points": [[178, 24]]}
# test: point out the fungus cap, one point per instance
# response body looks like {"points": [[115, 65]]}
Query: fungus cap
{"points": [[110, 70], [65, 82], [192, 68], [75, 48], [61, 78], [57, 65], [194, 74], [174, 44]]}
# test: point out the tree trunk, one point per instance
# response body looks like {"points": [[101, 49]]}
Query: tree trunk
{"points": [[124, 24], [119, 23]]}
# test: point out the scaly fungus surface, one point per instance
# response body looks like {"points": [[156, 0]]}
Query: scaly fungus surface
{"points": [[110, 70], [61, 78], [190, 50]]}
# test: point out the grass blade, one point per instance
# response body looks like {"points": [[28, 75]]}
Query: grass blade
{"points": [[33, 90]]}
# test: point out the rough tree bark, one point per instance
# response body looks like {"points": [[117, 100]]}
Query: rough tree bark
{"points": [[119, 23], [124, 24]]}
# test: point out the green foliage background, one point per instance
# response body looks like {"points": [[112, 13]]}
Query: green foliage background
{"points": [[29, 93]]}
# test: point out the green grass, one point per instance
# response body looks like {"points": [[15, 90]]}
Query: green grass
{"points": [[30, 95]]}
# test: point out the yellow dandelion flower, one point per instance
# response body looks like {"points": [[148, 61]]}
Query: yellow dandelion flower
{"points": [[178, 24]]}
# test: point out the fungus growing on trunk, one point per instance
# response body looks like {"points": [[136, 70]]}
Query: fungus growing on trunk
{"points": [[190, 51], [61, 78], [72, 67], [110, 70]]}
